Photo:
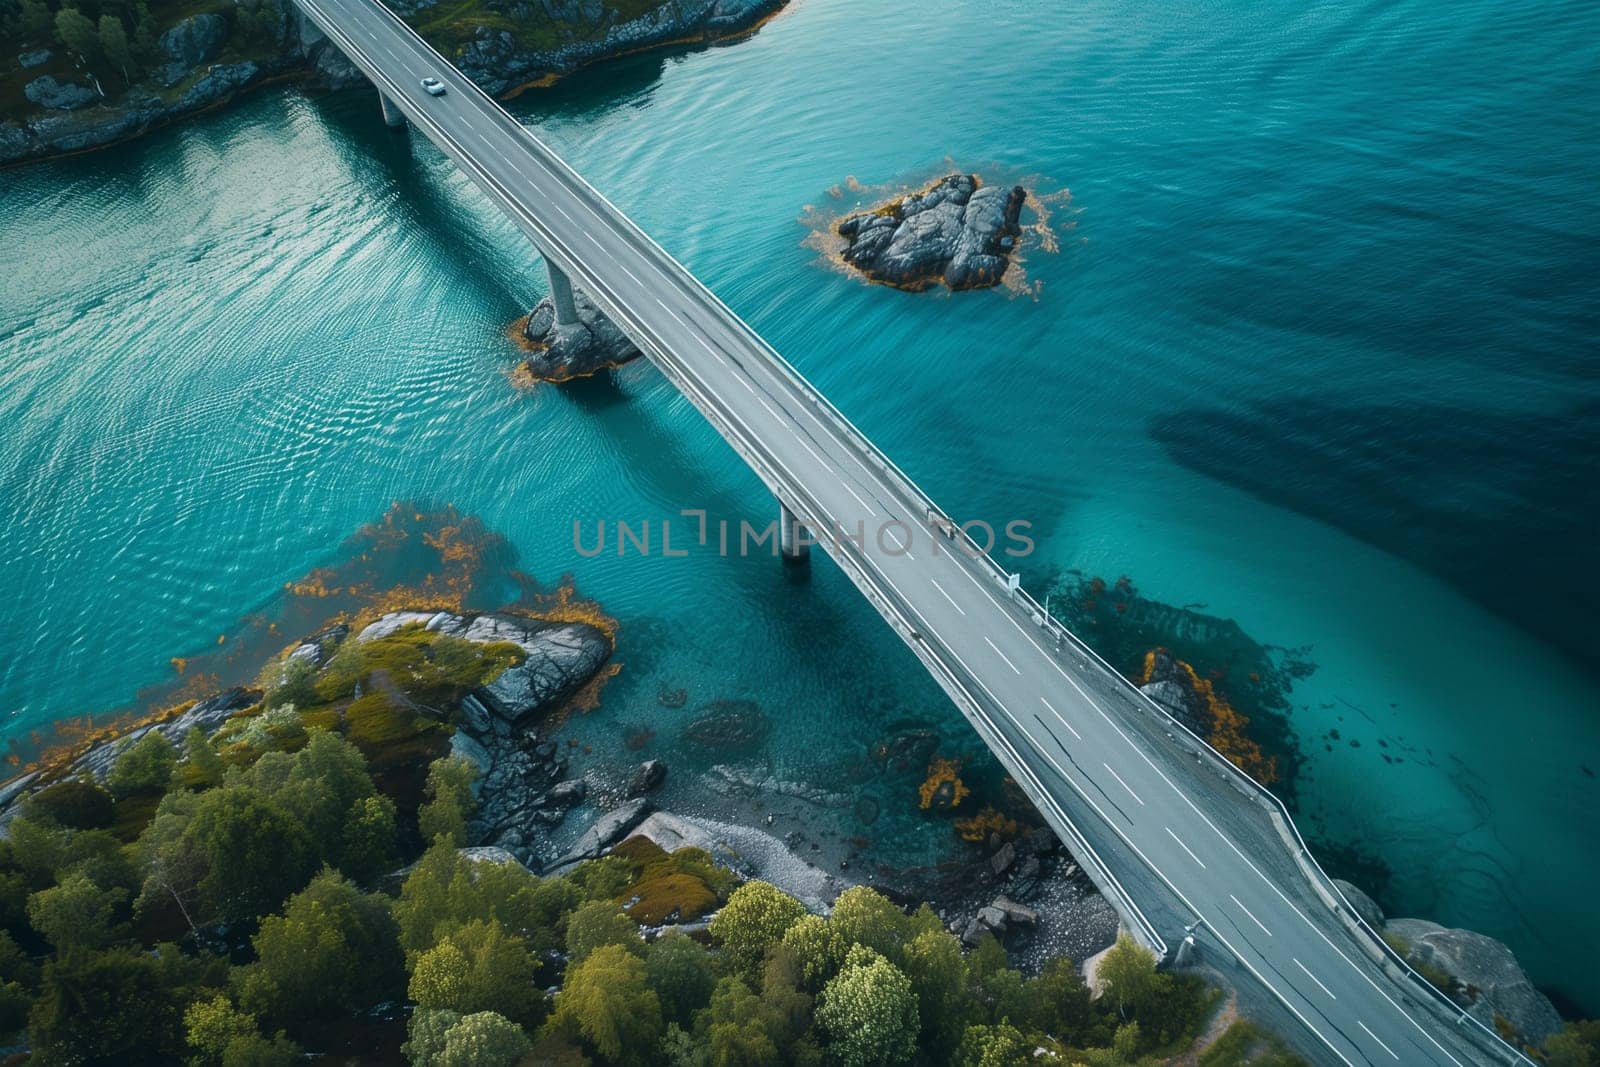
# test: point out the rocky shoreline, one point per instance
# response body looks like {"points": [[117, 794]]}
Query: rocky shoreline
{"points": [[1017, 883], [202, 68]]}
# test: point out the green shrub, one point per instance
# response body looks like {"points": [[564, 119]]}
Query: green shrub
{"points": [[76, 804], [143, 768]]}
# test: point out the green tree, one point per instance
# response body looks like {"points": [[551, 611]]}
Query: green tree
{"points": [[862, 916], [425, 1035], [78, 914], [106, 1008], [143, 768], [479, 967], [1125, 1044], [445, 891], [81, 36], [118, 50], [608, 1002], [869, 1012], [369, 844], [334, 950], [1127, 976], [811, 944], [1057, 1002], [202, 765], [680, 972], [938, 973], [754, 919], [450, 801], [211, 1025], [600, 922], [73, 804], [254, 1050], [484, 1039], [252, 852], [38, 22], [993, 1046]]}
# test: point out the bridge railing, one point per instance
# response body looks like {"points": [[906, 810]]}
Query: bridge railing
{"points": [[1329, 891]]}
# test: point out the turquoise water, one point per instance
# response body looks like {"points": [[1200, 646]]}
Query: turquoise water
{"points": [[1343, 235]]}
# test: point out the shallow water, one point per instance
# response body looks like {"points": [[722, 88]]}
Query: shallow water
{"points": [[226, 346]]}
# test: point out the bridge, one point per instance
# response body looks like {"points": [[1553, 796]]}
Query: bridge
{"points": [[1202, 864]]}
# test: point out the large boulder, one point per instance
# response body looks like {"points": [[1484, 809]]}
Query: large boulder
{"points": [[957, 231], [63, 96], [1488, 980], [195, 40], [559, 353]]}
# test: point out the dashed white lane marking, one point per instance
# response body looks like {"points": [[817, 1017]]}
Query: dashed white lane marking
{"points": [[1314, 978], [863, 503], [947, 596], [1250, 913], [1002, 655], [1190, 851], [1120, 782], [802, 440], [1061, 718], [1376, 1038]]}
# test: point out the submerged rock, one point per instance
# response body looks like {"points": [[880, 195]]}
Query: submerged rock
{"points": [[957, 231], [574, 350], [728, 725]]}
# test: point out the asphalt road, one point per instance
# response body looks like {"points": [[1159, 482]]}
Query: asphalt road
{"points": [[1059, 726]]}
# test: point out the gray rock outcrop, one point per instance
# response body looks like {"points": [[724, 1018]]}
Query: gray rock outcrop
{"points": [[197, 39], [206, 715], [60, 96], [607, 830], [574, 350], [520, 786], [1361, 904], [559, 657], [1488, 980], [957, 231]]}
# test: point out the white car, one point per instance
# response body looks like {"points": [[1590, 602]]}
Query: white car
{"points": [[432, 86]]}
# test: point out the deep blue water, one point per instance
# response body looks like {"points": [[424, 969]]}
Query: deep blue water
{"points": [[1316, 350]]}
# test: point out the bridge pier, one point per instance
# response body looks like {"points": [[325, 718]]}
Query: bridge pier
{"points": [[393, 117], [794, 543], [561, 294]]}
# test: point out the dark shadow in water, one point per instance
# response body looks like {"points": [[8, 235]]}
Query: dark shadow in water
{"points": [[1503, 506]]}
